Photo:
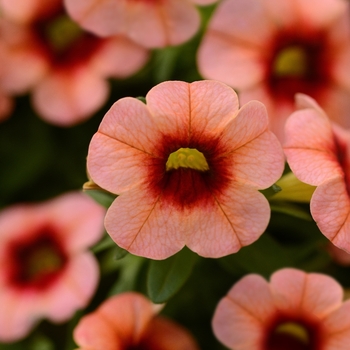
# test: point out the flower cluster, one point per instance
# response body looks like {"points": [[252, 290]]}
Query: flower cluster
{"points": [[214, 137]]}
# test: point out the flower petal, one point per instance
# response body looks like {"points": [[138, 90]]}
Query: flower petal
{"points": [[77, 218], [164, 334], [203, 106], [330, 208], [73, 291], [258, 157], [66, 98], [239, 318], [227, 224], [296, 292], [337, 328], [145, 225], [310, 147], [119, 57], [221, 57]]}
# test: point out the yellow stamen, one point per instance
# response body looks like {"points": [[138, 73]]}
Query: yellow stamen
{"points": [[62, 32], [294, 329], [187, 158], [292, 61]]}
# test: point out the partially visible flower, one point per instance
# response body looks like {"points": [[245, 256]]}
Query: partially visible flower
{"points": [[6, 106], [318, 153], [130, 321], [151, 23], [270, 50], [187, 167], [294, 311], [46, 270], [63, 66]]}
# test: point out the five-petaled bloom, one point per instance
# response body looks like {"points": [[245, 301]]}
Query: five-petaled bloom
{"points": [[64, 67], [318, 154], [46, 270], [187, 167], [295, 311], [130, 321], [151, 23], [270, 50]]}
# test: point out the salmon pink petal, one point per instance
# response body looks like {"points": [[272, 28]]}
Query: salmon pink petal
{"points": [[167, 335], [73, 290], [102, 17], [6, 106], [337, 326], [18, 53], [310, 147], [228, 224], [134, 314], [206, 106], [106, 155], [204, 2], [240, 316], [296, 292], [170, 22], [258, 156], [69, 97], [219, 53], [95, 332], [330, 208], [120, 57], [127, 136], [26, 10], [249, 17], [320, 13], [77, 234], [145, 225], [14, 312]]}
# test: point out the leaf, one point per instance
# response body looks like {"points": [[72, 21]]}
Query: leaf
{"points": [[166, 277], [263, 257]]}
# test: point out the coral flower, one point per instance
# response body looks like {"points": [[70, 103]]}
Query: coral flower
{"points": [[64, 66], [270, 50], [46, 271], [187, 166], [129, 321], [318, 154], [152, 23], [295, 311]]}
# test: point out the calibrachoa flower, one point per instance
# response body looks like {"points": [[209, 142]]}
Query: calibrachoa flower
{"points": [[151, 23], [187, 166], [46, 270], [64, 66], [270, 50], [294, 311], [130, 321], [318, 154]]}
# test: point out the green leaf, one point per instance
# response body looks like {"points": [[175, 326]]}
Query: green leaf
{"points": [[166, 277], [263, 257]]}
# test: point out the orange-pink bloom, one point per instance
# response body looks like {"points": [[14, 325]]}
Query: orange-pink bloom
{"points": [[269, 50], [130, 321], [187, 167], [317, 151], [46, 270], [63, 66], [151, 23], [294, 311]]}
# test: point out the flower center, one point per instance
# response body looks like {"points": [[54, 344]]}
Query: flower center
{"points": [[294, 330], [37, 262], [292, 335], [291, 61], [62, 32], [187, 158]]}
